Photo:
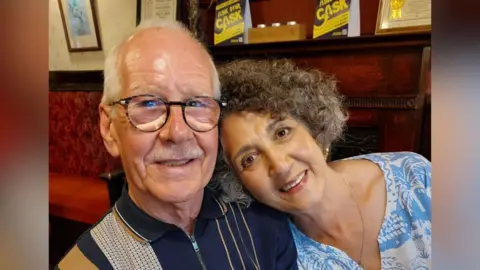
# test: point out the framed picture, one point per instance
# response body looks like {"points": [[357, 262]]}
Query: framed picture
{"points": [[80, 25], [164, 9], [404, 16]]}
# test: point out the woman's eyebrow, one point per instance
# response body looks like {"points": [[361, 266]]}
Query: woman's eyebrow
{"points": [[273, 123], [242, 151]]}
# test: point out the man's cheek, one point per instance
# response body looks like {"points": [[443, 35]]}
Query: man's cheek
{"points": [[140, 146], [136, 156], [140, 167]]}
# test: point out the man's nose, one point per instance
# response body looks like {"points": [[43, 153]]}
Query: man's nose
{"points": [[175, 130]]}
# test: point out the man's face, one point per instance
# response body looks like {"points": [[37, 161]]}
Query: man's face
{"points": [[174, 163]]}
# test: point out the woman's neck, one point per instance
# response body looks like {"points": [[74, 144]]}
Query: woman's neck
{"points": [[335, 219]]}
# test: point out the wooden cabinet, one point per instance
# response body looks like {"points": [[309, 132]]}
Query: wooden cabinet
{"points": [[384, 80]]}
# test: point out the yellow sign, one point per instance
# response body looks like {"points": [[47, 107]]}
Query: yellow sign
{"points": [[232, 20], [332, 18]]}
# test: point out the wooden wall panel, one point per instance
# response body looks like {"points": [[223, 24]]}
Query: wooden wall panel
{"points": [[383, 79], [397, 130], [371, 73]]}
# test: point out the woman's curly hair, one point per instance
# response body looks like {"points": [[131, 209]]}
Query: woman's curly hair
{"points": [[279, 87]]}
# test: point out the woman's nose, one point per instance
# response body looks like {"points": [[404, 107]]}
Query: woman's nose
{"points": [[280, 165]]}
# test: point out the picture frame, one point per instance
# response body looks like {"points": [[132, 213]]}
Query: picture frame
{"points": [[79, 18], [165, 9], [403, 16]]}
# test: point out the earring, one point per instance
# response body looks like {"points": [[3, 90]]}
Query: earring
{"points": [[326, 153]]}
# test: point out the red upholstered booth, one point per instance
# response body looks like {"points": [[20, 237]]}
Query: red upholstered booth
{"points": [[77, 157]]}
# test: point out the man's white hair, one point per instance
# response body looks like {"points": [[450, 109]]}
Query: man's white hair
{"points": [[112, 77]]}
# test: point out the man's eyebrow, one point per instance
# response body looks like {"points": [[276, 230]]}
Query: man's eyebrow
{"points": [[137, 91], [142, 89], [191, 92]]}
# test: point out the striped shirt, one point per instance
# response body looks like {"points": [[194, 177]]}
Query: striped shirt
{"points": [[225, 236]]}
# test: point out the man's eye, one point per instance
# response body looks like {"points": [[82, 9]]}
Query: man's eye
{"points": [[149, 103], [247, 161], [197, 103]]}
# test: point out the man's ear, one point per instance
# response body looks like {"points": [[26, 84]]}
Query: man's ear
{"points": [[108, 132]]}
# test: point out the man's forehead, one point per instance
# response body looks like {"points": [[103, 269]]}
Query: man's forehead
{"points": [[151, 59], [156, 50], [157, 39], [156, 33]]}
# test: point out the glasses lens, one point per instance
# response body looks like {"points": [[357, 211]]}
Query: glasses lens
{"points": [[202, 113], [147, 113]]}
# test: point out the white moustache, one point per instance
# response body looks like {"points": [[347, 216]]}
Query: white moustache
{"points": [[176, 153]]}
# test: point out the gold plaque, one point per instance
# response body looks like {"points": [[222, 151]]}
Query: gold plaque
{"points": [[404, 16]]}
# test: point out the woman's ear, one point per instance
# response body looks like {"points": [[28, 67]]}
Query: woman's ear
{"points": [[107, 130]]}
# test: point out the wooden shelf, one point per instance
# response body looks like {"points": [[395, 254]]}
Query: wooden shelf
{"points": [[78, 80], [308, 47], [93, 80]]}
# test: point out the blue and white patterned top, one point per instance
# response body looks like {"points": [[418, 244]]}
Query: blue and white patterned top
{"points": [[405, 235]]}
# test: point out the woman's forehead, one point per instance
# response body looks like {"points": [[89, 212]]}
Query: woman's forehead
{"points": [[239, 127], [255, 115]]}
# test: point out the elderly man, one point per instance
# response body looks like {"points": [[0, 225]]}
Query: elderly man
{"points": [[159, 114]]}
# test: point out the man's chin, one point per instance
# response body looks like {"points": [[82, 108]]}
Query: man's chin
{"points": [[176, 192]]}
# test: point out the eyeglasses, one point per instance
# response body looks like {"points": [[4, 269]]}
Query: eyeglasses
{"points": [[150, 113]]}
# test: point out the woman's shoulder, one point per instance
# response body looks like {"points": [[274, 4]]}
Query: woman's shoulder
{"points": [[408, 167], [394, 157], [408, 162]]}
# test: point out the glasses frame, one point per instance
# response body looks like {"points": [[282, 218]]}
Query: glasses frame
{"points": [[124, 102]]}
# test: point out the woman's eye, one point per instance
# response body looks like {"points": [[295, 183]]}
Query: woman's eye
{"points": [[283, 132], [247, 161]]}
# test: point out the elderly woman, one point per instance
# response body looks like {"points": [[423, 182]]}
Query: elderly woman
{"points": [[370, 211]]}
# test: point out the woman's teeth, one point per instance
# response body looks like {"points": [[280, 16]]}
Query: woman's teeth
{"points": [[294, 183]]}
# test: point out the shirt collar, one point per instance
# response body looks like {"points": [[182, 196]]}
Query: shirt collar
{"points": [[146, 228]]}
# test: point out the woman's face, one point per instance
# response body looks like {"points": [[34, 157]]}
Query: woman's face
{"points": [[276, 159]]}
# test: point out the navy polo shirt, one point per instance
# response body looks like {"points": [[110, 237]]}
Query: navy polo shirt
{"points": [[225, 236]]}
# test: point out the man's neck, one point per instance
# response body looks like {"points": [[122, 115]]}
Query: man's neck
{"points": [[182, 215]]}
